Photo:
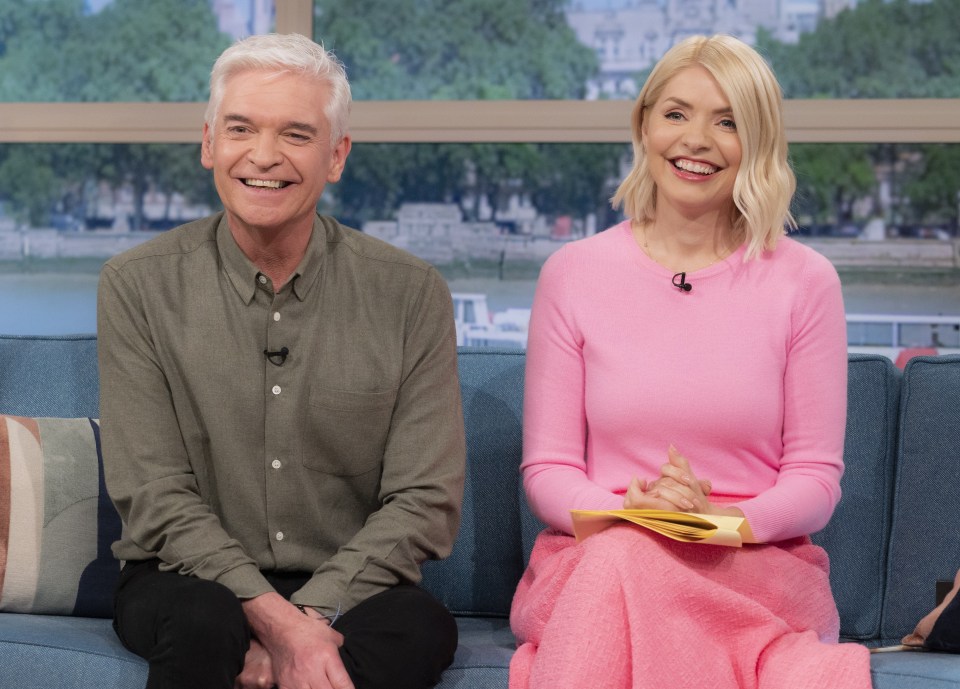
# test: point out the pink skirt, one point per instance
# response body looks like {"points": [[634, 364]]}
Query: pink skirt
{"points": [[628, 608]]}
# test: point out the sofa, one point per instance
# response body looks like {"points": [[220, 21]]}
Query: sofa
{"points": [[895, 533]]}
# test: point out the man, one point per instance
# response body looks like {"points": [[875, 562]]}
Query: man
{"points": [[282, 428]]}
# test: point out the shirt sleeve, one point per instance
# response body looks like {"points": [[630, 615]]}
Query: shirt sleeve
{"points": [[147, 470], [815, 402], [423, 470], [554, 417]]}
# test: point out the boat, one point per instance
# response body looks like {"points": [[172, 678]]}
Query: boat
{"points": [[902, 337], [898, 337], [476, 327]]}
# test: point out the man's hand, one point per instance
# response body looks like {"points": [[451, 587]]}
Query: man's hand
{"points": [[303, 649], [257, 669]]}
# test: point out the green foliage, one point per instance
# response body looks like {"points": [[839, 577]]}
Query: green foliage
{"points": [[455, 49], [139, 50], [578, 179], [162, 50], [29, 183], [462, 49], [830, 177], [934, 186], [923, 182], [155, 50], [172, 168], [560, 179], [880, 49], [378, 177], [37, 41], [36, 179], [133, 50]]}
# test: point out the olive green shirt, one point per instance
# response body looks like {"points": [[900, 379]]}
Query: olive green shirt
{"points": [[345, 459]]}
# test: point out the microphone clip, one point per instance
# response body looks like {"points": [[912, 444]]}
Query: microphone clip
{"points": [[680, 282], [278, 357]]}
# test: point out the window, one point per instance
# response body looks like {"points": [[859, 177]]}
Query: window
{"points": [[119, 50], [453, 104]]}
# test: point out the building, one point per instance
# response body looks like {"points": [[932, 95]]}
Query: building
{"points": [[629, 36], [240, 18]]}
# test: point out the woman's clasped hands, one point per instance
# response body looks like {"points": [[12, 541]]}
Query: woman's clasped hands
{"points": [[677, 489]]}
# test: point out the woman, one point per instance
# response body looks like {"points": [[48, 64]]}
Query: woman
{"points": [[690, 358]]}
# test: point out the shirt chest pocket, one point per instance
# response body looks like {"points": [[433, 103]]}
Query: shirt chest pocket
{"points": [[348, 431]]}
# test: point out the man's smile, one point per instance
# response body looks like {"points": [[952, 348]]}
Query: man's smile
{"points": [[265, 183]]}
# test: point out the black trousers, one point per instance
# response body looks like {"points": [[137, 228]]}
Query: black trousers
{"points": [[194, 634]]}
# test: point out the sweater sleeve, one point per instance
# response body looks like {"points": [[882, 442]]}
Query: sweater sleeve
{"points": [[555, 429], [815, 397], [147, 470]]}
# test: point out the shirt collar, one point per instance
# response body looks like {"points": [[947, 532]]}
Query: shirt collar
{"points": [[243, 274]]}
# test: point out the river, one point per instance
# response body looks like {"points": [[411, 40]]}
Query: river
{"points": [[55, 303]]}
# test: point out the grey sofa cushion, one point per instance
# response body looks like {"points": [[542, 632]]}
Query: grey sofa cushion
{"points": [[487, 561], [856, 537], [925, 534], [49, 376], [42, 652]]}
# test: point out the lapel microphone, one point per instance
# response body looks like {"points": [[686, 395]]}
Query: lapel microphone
{"points": [[680, 282], [278, 357]]}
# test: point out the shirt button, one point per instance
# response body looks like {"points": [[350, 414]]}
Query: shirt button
{"points": [[279, 535], [262, 279], [276, 389], [276, 315], [276, 464]]}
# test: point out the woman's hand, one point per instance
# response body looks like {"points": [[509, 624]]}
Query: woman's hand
{"points": [[920, 633], [677, 489], [641, 496], [679, 485]]}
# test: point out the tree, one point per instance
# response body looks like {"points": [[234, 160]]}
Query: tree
{"points": [[560, 179], [453, 49], [456, 49], [830, 178], [879, 49], [155, 50], [28, 183], [378, 177], [167, 167], [580, 178], [159, 50], [934, 189], [133, 50], [37, 43]]}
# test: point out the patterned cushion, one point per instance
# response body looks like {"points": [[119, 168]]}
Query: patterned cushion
{"points": [[56, 520]]}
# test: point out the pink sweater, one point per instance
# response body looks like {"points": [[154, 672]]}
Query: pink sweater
{"points": [[746, 375]]}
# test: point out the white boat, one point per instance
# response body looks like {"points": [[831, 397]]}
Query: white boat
{"points": [[477, 328], [897, 337], [900, 337]]}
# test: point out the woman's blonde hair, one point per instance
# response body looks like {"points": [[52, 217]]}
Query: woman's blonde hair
{"points": [[765, 183]]}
